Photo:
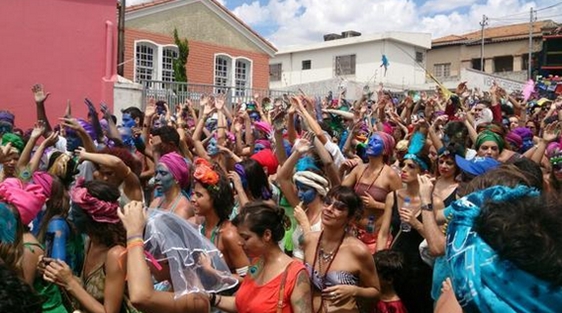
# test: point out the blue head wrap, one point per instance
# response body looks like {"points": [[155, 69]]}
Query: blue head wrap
{"points": [[8, 224], [482, 281]]}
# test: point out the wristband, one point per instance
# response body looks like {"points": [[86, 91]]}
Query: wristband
{"points": [[130, 238], [427, 207], [134, 242]]}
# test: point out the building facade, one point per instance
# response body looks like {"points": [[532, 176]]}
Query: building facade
{"points": [[223, 50], [353, 58], [506, 52]]}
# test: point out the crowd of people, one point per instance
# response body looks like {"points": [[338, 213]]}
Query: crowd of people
{"points": [[447, 202]]}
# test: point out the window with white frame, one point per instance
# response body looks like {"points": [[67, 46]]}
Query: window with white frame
{"points": [[442, 70], [169, 54], [154, 61], [242, 76], [233, 72], [222, 70], [345, 64], [144, 61]]}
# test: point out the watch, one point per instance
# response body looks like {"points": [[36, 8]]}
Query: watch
{"points": [[427, 207]]}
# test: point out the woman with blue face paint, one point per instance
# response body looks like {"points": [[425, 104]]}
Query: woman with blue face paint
{"points": [[373, 182], [304, 189], [172, 181]]}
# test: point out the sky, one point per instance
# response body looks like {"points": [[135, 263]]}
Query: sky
{"points": [[287, 23]]}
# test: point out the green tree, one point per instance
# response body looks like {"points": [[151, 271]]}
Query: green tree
{"points": [[180, 72]]}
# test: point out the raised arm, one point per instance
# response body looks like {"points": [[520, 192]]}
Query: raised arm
{"points": [[285, 173], [40, 97]]}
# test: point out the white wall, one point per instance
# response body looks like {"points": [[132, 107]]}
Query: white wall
{"points": [[402, 71], [126, 94]]}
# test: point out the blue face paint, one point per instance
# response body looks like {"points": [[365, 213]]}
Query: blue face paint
{"points": [[127, 136], [5, 127], [527, 144], [375, 147], [211, 124], [72, 142], [306, 194], [128, 121], [255, 116], [163, 179], [258, 147]]}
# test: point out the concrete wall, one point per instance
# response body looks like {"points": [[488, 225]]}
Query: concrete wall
{"points": [[194, 21], [402, 70], [126, 94], [68, 45]]}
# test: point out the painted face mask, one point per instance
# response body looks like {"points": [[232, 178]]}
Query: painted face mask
{"points": [[163, 179], [258, 147], [127, 136], [72, 141], [212, 149], [255, 116], [527, 144], [306, 194], [375, 147], [128, 121], [211, 124]]}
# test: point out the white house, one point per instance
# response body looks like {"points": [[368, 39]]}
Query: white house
{"points": [[353, 59]]}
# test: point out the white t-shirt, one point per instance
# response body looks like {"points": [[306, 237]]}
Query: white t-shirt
{"points": [[334, 150]]}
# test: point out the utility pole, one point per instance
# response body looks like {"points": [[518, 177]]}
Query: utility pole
{"points": [[483, 24], [121, 38], [532, 19]]}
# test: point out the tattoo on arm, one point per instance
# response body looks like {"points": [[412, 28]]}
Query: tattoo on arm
{"points": [[304, 302]]}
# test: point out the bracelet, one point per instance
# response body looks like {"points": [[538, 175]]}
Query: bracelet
{"points": [[427, 207], [135, 244], [130, 238]]}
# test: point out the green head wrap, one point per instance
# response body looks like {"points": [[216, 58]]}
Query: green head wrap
{"points": [[16, 141], [487, 135]]}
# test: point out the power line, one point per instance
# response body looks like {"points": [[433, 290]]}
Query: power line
{"points": [[524, 13], [549, 7]]}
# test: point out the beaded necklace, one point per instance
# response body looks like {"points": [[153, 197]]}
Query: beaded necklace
{"points": [[324, 257]]}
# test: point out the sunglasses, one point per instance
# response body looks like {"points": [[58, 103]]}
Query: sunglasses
{"points": [[338, 205]]}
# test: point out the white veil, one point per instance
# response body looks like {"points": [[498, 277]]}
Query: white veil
{"points": [[168, 236]]}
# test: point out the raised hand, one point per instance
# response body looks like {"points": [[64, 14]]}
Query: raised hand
{"points": [[81, 153], [39, 93], [90, 106], [150, 109], [38, 130], [219, 102], [105, 111], [551, 132], [51, 140], [134, 217], [301, 146], [5, 151], [71, 123]]}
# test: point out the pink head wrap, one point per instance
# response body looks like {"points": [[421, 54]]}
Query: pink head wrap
{"points": [[28, 199], [264, 142], [387, 128], [44, 180], [513, 138], [553, 149], [99, 210], [266, 158], [263, 127], [179, 168]]}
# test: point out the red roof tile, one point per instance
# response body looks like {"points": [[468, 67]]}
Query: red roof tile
{"points": [[496, 33]]}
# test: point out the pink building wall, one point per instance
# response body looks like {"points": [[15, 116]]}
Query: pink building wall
{"points": [[70, 46]]}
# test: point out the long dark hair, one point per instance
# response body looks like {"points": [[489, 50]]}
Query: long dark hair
{"points": [[57, 205], [258, 185]]}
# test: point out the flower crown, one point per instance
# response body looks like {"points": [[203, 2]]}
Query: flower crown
{"points": [[204, 172]]}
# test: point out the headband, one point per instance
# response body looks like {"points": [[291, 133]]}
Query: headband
{"points": [[99, 210], [179, 168], [488, 135], [313, 180], [418, 161]]}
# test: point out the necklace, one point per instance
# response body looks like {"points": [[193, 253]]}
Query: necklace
{"points": [[326, 257], [214, 232]]}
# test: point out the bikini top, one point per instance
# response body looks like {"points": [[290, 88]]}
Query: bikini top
{"points": [[332, 278]]}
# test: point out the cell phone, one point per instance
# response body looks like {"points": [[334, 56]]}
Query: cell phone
{"points": [[49, 239]]}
